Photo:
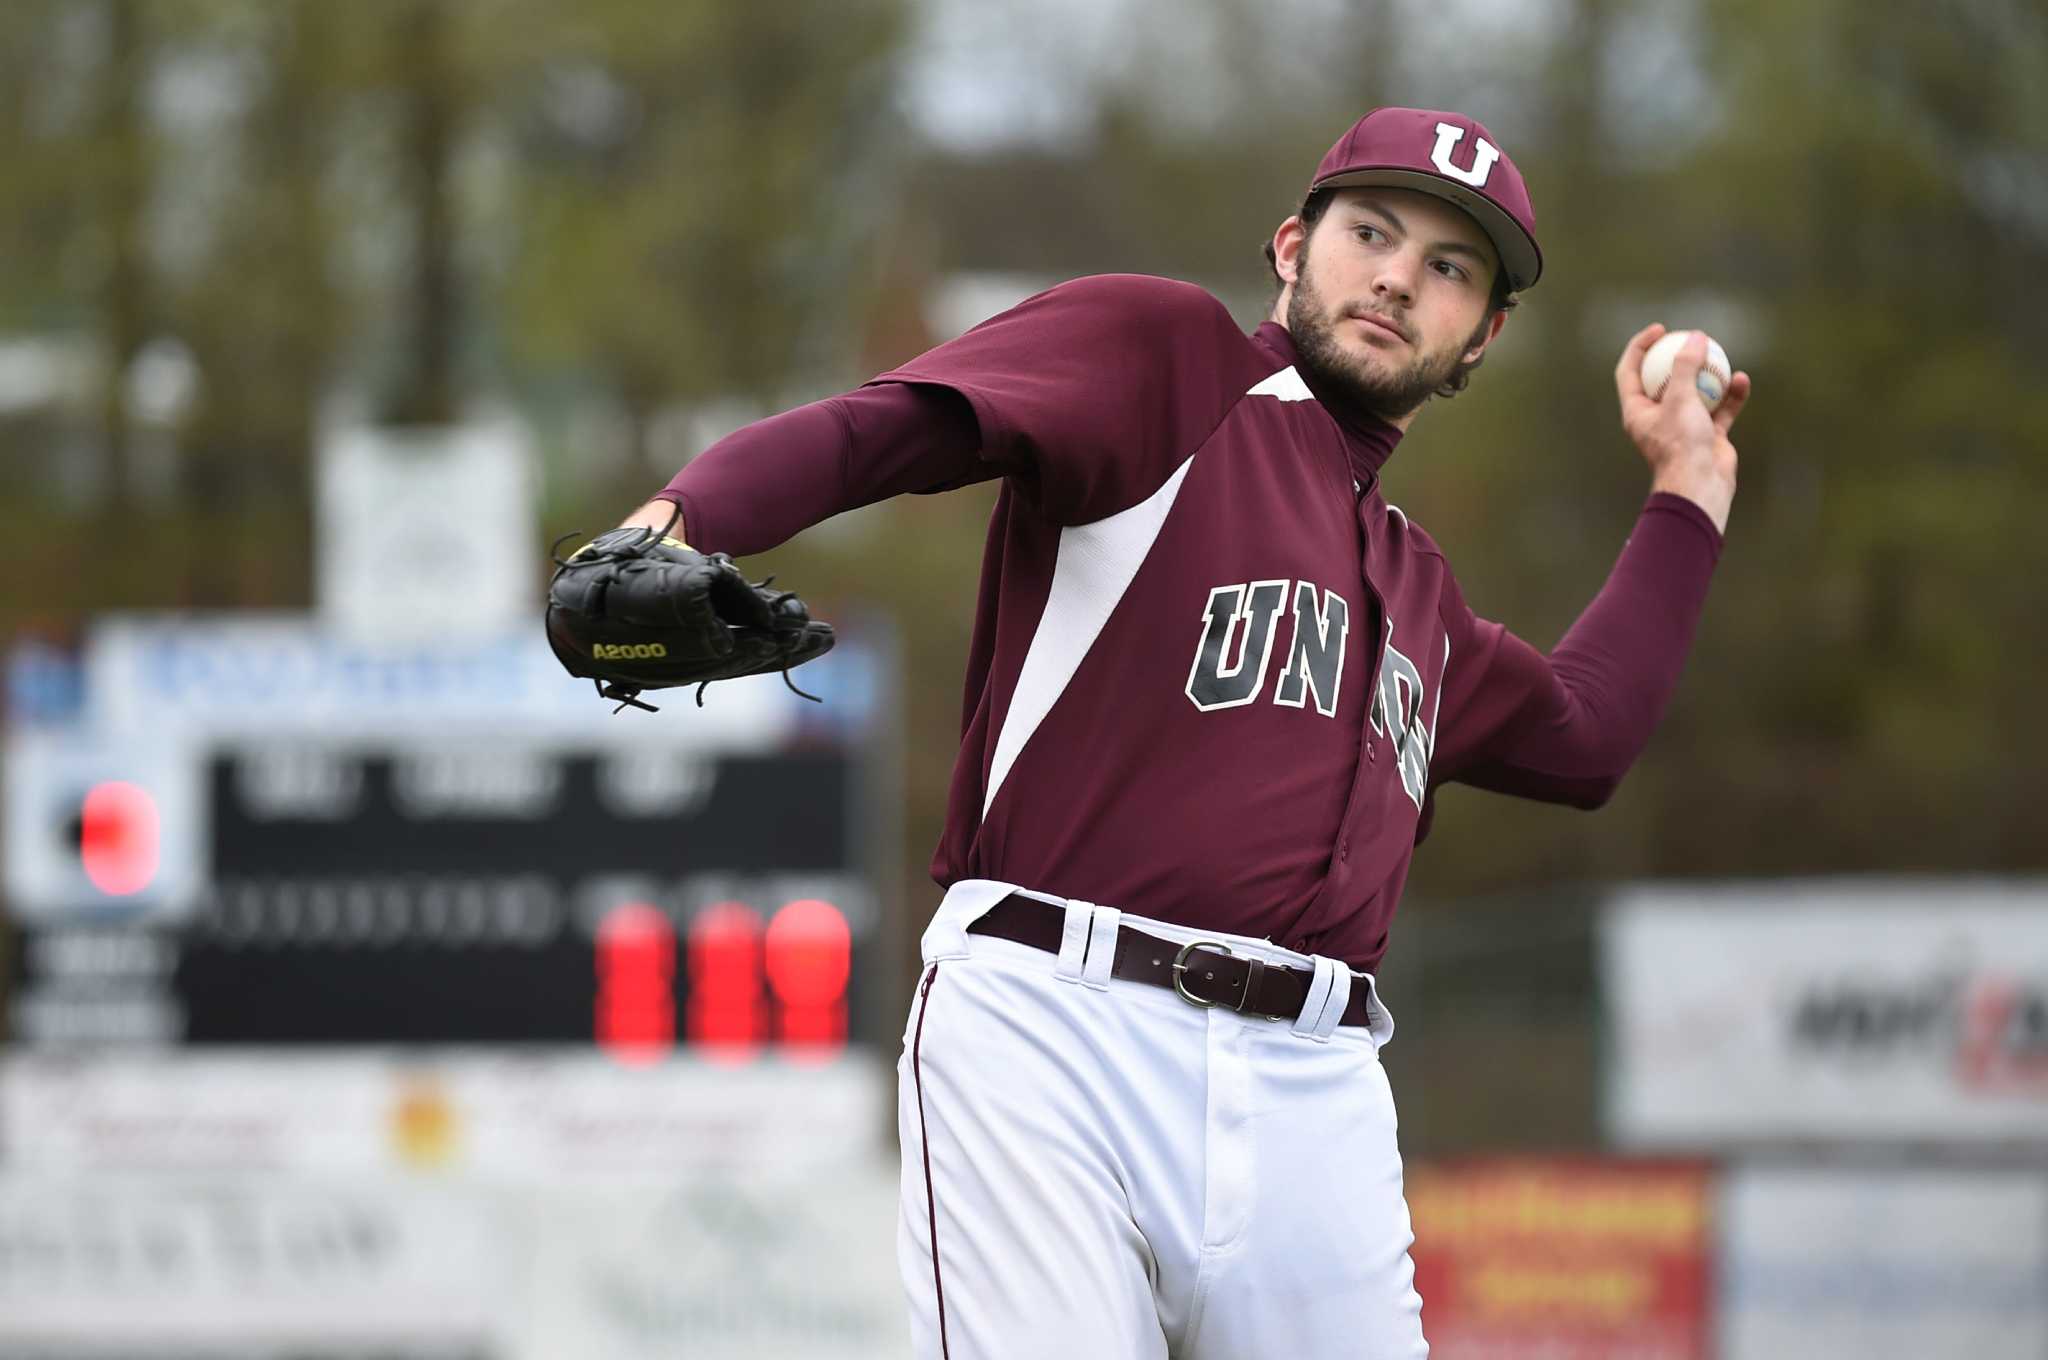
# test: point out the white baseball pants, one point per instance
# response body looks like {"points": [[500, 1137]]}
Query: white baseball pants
{"points": [[1097, 1169]]}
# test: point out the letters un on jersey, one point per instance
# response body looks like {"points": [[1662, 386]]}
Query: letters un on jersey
{"points": [[1240, 620]]}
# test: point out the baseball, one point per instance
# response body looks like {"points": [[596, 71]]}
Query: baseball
{"points": [[1714, 374]]}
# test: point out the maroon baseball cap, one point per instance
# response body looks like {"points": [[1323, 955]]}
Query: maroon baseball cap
{"points": [[1451, 156]]}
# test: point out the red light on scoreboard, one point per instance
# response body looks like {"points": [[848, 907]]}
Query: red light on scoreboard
{"points": [[803, 958], [726, 1005], [118, 838], [809, 957], [636, 969]]}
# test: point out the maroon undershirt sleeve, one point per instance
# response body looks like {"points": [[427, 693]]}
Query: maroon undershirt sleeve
{"points": [[764, 484], [1566, 727]]}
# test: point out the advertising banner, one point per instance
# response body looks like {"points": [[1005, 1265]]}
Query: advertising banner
{"points": [[215, 677], [161, 1266], [536, 1117], [1562, 1260], [1853, 1011], [740, 1266], [1883, 1264], [523, 1206], [734, 1268]]}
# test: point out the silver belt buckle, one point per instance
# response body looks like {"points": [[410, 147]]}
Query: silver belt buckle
{"points": [[1180, 967]]}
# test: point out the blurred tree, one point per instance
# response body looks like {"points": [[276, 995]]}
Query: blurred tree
{"points": [[78, 294], [253, 295], [431, 95], [1187, 160], [43, 206], [119, 171], [704, 185], [1880, 193]]}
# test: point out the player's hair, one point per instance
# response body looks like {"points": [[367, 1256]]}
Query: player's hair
{"points": [[1502, 299]]}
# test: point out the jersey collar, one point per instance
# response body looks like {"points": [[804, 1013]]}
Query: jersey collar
{"points": [[1368, 439]]}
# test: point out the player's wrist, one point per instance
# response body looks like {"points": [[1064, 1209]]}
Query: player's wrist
{"points": [[1710, 492], [658, 515]]}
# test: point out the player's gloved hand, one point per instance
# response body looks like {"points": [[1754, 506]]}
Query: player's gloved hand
{"points": [[635, 610]]}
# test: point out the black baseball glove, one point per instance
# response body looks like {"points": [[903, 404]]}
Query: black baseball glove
{"points": [[635, 610]]}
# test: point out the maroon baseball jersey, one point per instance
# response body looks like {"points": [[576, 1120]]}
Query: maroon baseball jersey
{"points": [[1215, 676]]}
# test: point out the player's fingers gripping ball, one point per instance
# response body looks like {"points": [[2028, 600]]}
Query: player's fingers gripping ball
{"points": [[1714, 375], [635, 610]]}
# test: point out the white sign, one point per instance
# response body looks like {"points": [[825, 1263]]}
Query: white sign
{"points": [[752, 1265], [1891, 1264], [1839, 1010], [426, 534], [537, 1117], [728, 1268], [153, 1265], [531, 1205]]}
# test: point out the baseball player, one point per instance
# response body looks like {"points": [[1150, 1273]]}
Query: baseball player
{"points": [[1214, 683]]}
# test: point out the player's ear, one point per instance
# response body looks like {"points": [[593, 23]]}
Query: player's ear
{"points": [[1486, 334], [1287, 242]]}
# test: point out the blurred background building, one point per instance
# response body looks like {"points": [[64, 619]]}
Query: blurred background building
{"points": [[368, 989]]}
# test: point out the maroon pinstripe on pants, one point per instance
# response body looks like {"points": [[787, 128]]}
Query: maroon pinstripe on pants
{"points": [[930, 1192]]}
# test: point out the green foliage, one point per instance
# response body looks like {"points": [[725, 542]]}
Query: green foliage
{"points": [[700, 194], [1880, 653]]}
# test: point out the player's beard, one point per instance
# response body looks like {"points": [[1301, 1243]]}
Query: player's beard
{"points": [[1388, 394]]}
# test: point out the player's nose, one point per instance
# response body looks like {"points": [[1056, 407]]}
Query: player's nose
{"points": [[1396, 274]]}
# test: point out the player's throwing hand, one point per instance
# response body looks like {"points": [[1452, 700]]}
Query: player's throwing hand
{"points": [[1685, 445]]}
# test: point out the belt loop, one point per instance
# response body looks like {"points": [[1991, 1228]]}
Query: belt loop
{"points": [[1328, 993], [945, 935], [1379, 1021], [1074, 940], [1102, 928], [1340, 998]]}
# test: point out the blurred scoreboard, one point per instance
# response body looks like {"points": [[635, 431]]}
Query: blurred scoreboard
{"points": [[461, 896], [247, 832]]}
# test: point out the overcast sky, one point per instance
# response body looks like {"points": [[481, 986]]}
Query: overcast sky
{"points": [[984, 74]]}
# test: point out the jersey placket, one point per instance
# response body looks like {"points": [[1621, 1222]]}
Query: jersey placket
{"points": [[1367, 748], [1368, 756]]}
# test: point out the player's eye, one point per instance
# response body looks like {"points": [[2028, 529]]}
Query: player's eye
{"points": [[1368, 232], [1450, 271]]}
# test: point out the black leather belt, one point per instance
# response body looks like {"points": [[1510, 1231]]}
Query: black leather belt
{"points": [[1205, 972]]}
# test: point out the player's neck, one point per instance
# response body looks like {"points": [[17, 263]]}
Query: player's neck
{"points": [[1278, 317]]}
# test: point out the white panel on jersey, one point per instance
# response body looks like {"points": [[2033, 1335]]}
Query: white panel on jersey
{"points": [[1096, 564], [1286, 385], [1443, 681]]}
